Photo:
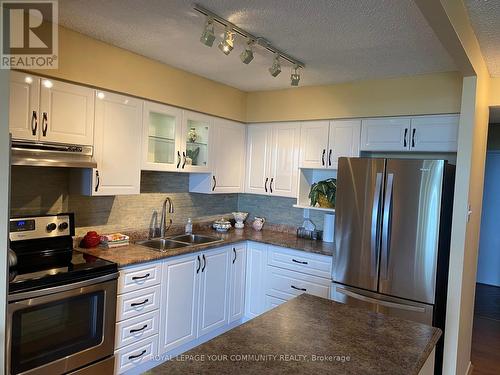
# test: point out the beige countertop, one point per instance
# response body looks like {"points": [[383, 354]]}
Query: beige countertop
{"points": [[312, 335], [134, 253]]}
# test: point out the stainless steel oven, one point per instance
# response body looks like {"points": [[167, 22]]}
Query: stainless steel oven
{"points": [[62, 329]]}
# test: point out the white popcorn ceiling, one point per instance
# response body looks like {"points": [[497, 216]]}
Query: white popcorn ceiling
{"points": [[338, 40], [485, 19]]}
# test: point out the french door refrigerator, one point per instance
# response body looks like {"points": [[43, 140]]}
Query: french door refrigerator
{"points": [[392, 237]]}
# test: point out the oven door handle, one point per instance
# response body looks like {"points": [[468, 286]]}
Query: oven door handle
{"points": [[61, 288]]}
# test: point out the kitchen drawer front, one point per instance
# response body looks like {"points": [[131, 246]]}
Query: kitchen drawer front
{"points": [[286, 284], [134, 355], [135, 329], [300, 261], [135, 278], [136, 303]]}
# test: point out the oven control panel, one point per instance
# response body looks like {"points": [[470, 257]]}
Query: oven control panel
{"points": [[28, 228]]}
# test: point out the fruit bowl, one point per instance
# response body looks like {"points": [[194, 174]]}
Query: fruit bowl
{"points": [[240, 217]]}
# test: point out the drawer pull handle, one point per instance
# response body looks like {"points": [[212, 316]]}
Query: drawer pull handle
{"points": [[298, 261], [139, 303], [137, 355], [296, 288], [141, 277], [139, 329], [234, 251]]}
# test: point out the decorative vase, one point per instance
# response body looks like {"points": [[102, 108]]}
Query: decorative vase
{"points": [[258, 223], [240, 217], [192, 135], [324, 202]]}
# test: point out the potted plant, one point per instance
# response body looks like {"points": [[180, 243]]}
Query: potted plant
{"points": [[323, 193]]}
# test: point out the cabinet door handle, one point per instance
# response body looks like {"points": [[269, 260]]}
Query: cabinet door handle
{"points": [[178, 159], [45, 124], [297, 288], [140, 277], [405, 143], [234, 251], [265, 184], [323, 157], [139, 303], [413, 138], [98, 180], [184, 162], [204, 263], [330, 158], [271, 185], [298, 261], [34, 123], [139, 329], [215, 183], [199, 265], [137, 355]]}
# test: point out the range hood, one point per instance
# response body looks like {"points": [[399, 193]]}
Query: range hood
{"points": [[52, 155]]}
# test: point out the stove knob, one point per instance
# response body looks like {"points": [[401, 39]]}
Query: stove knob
{"points": [[51, 227], [63, 226]]}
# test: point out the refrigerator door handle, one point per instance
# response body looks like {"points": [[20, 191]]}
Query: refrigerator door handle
{"points": [[386, 227], [375, 223], [394, 305]]}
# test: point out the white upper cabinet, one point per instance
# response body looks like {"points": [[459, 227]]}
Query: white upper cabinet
{"points": [[161, 137], [385, 134], [272, 159], [196, 140], [24, 99], [434, 133], [343, 140], [314, 144], [323, 142], [67, 112], [117, 149], [49, 110], [227, 152]]}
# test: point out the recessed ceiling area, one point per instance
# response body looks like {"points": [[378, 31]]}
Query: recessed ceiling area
{"points": [[485, 19], [339, 41]]}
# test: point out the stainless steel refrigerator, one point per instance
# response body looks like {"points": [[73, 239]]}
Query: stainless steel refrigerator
{"points": [[392, 237]]}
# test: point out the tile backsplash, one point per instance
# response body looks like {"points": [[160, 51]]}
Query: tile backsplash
{"points": [[41, 190]]}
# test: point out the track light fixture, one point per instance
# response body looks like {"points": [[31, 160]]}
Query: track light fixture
{"points": [[227, 44], [208, 35], [275, 69], [295, 76], [247, 54]]}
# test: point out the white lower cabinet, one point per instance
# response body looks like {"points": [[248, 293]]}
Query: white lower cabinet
{"points": [[272, 302], [255, 280], [237, 283]]}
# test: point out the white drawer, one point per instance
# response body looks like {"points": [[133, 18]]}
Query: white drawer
{"points": [[286, 284], [135, 329], [136, 303], [300, 261], [272, 302], [139, 277], [133, 355]]}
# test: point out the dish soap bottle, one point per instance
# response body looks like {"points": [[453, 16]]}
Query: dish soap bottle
{"points": [[189, 226]]}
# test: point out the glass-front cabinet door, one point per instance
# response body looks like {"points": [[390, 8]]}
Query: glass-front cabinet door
{"points": [[162, 132], [196, 142]]}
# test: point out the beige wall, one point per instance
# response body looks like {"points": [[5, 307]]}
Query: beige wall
{"points": [[494, 94], [422, 94], [4, 205], [86, 60]]}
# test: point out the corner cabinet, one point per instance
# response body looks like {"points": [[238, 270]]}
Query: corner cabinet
{"points": [[272, 159], [116, 149], [437, 133], [48, 110], [323, 142], [227, 164]]}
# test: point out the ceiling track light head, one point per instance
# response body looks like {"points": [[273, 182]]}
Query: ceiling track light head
{"points": [[247, 55], [227, 44], [295, 76], [275, 69], [208, 34]]}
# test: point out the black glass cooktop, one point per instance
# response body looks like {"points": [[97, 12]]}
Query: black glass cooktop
{"points": [[37, 271]]}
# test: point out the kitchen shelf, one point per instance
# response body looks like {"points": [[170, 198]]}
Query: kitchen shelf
{"points": [[196, 144], [162, 139], [330, 210]]}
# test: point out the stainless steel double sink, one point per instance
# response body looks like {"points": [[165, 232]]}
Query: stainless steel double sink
{"points": [[175, 242]]}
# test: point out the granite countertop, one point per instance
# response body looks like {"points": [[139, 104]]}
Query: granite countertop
{"points": [[134, 253], [344, 339]]}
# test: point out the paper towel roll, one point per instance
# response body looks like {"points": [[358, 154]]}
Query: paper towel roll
{"points": [[328, 228]]}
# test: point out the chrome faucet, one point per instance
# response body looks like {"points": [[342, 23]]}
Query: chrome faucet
{"points": [[163, 222]]}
